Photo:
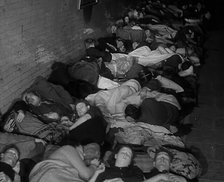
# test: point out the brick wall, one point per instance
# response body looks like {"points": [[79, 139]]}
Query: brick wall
{"points": [[35, 33]]}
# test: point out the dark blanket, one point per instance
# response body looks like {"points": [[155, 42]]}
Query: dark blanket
{"points": [[93, 130], [50, 91]]}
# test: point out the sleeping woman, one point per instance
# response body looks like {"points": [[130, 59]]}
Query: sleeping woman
{"points": [[90, 125], [47, 111]]}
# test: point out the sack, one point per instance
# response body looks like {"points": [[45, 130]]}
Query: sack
{"points": [[84, 70]]}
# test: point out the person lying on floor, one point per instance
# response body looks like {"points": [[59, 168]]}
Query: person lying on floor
{"points": [[159, 96], [9, 164], [156, 108], [161, 170], [185, 161], [67, 163], [46, 110], [153, 112], [90, 125], [122, 168], [159, 173], [20, 121], [112, 102], [13, 168]]}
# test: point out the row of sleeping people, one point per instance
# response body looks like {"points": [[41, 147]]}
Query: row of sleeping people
{"points": [[148, 77], [76, 162], [60, 119], [88, 120], [59, 115]]}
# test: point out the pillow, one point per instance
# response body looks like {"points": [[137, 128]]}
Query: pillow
{"points": [[186, 164]]}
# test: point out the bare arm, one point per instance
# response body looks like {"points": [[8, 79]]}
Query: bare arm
{"points": [[80, 121], [74, 157], [99, 170]]}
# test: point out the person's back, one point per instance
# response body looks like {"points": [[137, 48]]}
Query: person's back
{"points": [[150, 111], [56, 169], [64, 164]]}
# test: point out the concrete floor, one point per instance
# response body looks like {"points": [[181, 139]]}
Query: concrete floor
{"points": [[208, 117]]}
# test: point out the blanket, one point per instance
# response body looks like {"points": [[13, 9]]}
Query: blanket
{"points": [[27, 145], [163, 30], [148, 57], [160, 97], [146, 134], [32, 126], [54, 170], [51, 91]]}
